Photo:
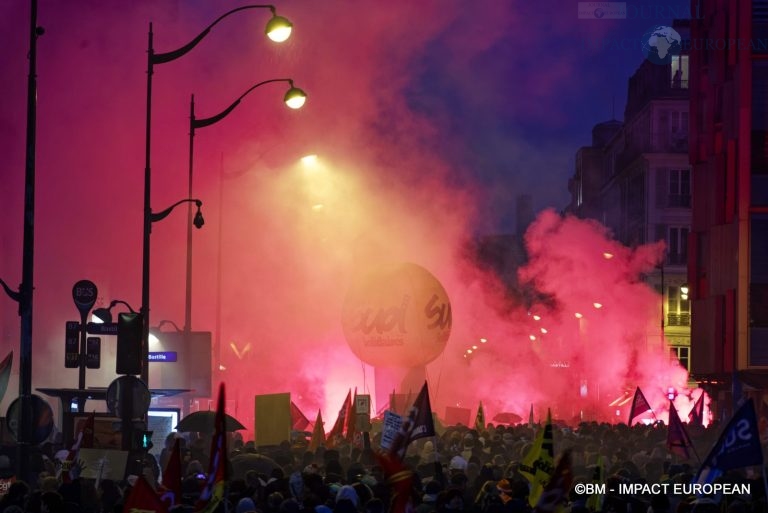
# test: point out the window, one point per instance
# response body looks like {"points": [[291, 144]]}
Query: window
{"points": [[679, 188], [678, 309], [678, 122], [682, 354], [679, 72], [677, 245]]}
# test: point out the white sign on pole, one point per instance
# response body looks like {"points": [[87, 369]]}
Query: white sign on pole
{"points": [[392, 424], [362, 404]]}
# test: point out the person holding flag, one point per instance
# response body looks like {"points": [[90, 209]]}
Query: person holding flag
{"points": [[214, 490], [480, 418], [538, 465]]}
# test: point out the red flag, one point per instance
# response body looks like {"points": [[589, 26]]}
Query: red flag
{"points": [[213, 492], [172, 476], [351, 419], [400, 480], [480, 418], [558, 487], [640, 405], [143, 498], [5, 373], [696, 415], [338, 428], [678, 441], [299, 421], [318, 433]]}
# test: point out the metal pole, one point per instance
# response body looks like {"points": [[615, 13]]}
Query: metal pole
{"points": [[663, 295], [27, 279], [147, 220], [188, 295], [217, 340]]}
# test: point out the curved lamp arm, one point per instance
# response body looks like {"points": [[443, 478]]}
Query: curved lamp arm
{"points": [[160, 58], [116, 302], [200, 123], [15, 295], [159, 216]]}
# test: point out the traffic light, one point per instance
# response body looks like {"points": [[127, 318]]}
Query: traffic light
{"points": [[130, 328], [142, 440], [72, 345]]}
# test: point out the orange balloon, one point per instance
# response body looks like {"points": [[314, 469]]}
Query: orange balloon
{"points": [[397, 316]]}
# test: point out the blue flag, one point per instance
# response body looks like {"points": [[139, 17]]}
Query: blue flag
{"points": [[738, 446]]}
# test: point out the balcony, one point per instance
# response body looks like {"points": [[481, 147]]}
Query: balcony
{"points": [[679, 200], [679, 319], [659, 142]]}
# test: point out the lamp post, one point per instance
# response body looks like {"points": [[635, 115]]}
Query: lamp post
{"points": [[278, 29], [294, 98]]}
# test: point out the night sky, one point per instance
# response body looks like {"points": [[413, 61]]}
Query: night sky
{"points": [[431, 117]]}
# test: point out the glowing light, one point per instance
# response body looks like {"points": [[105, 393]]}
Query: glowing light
{"points": [[536, 318], [96, 320], [597, 305], [532, 337], [309, 160], [544, 330], [469, 351], [317, 207], [684, 292], [618, 413], [578, 315], [483, 340], [222, 368], [295, 98], [474, 347], [279, 29], [153, 340], [607, 255]]}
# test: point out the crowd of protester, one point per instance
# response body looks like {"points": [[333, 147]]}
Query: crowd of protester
{"points": [[462, 470]]}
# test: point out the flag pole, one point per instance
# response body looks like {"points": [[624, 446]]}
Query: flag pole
{"points": [[765, 482]]}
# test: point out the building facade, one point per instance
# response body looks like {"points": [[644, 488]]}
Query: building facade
{"points": [[635, 179], [728, 259]]}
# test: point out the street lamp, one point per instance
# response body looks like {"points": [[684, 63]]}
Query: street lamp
{"points": [[104, 315], [294, 98], [278, 29]]}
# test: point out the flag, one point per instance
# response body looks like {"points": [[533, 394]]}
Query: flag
{"points": [[595, 501], [5, 373], [530, 418], [399, 480], [678, 441], [696, 415], [299, 421], [556, 490], [640, 405], [538, 464], [143, 498], [318, 433], [418, 424], [172, 476], [213, 492], [480, 419], [84, 440], [338, 428], [351, 418], [738, 446]]}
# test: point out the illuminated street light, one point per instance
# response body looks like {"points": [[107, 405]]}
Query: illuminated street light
{"points": [[278, 29], [597, 305], [294, 94], [578, 315]]}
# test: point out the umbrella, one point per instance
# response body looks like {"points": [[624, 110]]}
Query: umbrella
{"points": [[205, 421], [507, 417], [242, 463]]}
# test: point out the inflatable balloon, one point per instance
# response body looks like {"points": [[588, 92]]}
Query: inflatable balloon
{"points": [[397, 316]]}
